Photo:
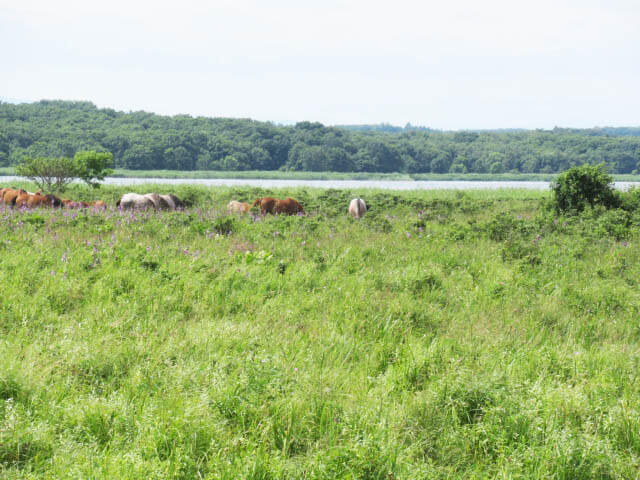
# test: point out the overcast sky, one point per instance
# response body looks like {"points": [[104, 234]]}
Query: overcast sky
{"points": [[452, 64]]}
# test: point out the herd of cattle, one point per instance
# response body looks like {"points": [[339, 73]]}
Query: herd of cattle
{"points": [[268, 205], [16, 197]]}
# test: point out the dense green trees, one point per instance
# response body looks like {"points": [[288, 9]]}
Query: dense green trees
{"points": [[141, 140]]}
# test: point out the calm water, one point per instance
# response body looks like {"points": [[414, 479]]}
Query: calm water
{"points": [[348, 184]]}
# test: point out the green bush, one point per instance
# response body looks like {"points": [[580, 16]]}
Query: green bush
{"points": [[578, 187]]}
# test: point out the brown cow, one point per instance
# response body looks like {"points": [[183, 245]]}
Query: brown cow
{"points": [[98, 204], [33, 200], [289, 206], [267, 204], [11, 195]]}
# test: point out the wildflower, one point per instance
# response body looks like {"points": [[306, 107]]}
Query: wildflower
{"points": [[303, 243], [64, 257], [148, 248], [53, 272], [295, 369], [408, 235]]}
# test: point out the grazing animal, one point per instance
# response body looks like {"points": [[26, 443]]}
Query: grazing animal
{"points": [[134, 201], [98, 204], [172, 201], [53, 201], [238, 207], [66, 203], [11, 195], [158, 202], [357, 208], [33, 200], [289, 206], [267, 204]]}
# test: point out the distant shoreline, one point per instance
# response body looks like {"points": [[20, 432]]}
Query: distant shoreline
{"points": [[280, 175]]}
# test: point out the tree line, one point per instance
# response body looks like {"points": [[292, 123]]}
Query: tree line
{"points": [[146, 141]]}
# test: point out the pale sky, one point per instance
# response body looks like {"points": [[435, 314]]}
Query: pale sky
{"points": [[455, 64]]}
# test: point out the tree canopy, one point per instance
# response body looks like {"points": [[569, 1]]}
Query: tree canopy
{"points": [[144, 141]]}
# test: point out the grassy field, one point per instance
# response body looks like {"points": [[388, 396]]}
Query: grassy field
{"points": [[445, 335]]}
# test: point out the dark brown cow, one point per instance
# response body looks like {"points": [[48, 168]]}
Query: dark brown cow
{"points": [[267, 204], [288, 206]]}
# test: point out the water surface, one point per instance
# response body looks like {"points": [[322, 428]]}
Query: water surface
{"points": [[339, 184]]}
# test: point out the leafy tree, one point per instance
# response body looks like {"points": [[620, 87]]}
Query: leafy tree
{"points": [[49, 174], [56, 173], [579, 187], [91, 167]]}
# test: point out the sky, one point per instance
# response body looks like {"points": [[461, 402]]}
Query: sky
{"points": [[455, 64]]}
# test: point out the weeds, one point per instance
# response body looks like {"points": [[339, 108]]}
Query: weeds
{"points": [[444, 335]]}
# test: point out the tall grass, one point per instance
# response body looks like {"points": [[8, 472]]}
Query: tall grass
{"points": [[445, 335]]}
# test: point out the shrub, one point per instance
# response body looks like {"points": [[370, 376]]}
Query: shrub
{"points": [[578, 187], [55, 174]]}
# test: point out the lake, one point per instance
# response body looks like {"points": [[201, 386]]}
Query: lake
{"points": [[339, 184]]}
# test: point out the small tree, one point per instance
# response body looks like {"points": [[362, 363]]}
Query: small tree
{"points": [[92, 167], [55, 174], [578, 187]]}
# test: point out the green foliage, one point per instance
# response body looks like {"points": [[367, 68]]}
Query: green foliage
{"points": [[49, 174], [92, 167], [584, 186], [145, 141], [55, 174], [445, 335]]}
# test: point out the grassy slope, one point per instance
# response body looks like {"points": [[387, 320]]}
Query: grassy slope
{"points": [[444, 335]]}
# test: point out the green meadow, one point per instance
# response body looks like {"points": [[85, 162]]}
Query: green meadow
{"points": [[445, 335]]}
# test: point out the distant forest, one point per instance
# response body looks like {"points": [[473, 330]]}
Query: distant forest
{"points": [[146, 141]]}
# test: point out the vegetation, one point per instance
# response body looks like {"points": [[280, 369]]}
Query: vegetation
{"points": [[55, 174], [582, 187], [144, 141], [445, 335]]}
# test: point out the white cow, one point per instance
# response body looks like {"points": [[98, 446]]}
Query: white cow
{"points": [[134, 200], [357, 208]]}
